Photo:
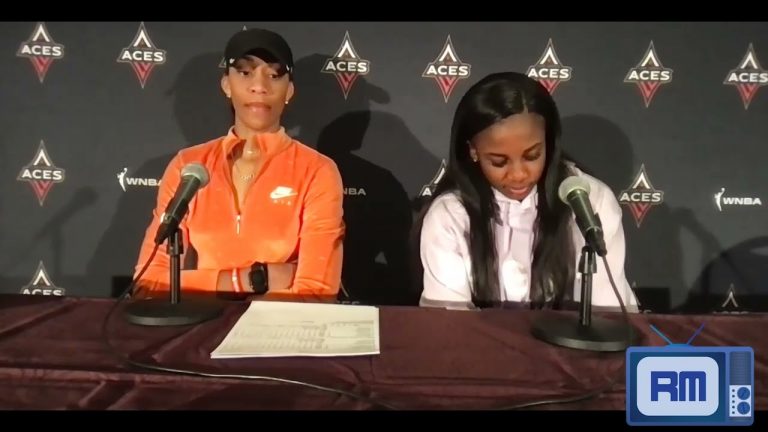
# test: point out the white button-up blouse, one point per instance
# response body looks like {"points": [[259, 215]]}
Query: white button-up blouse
{"points": [[445, 255]]}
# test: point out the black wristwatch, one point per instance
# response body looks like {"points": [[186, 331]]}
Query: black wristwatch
{"points": [[259, 278]]}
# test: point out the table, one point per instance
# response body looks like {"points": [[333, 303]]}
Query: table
{"points": [[53, 356]]}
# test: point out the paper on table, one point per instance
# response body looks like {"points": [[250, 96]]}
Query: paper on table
{"points": [[282, 329]]}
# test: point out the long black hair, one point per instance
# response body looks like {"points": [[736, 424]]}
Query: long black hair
{"points": [[492, 99]]}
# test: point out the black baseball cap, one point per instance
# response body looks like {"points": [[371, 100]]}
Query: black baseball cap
{"points": [[252, 41]]}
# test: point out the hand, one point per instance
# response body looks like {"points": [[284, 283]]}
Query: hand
{"points": [[281, 276]]}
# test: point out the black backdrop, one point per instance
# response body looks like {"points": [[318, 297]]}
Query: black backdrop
{"points": [[671, 115]]}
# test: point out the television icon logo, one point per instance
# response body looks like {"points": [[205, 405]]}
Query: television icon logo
{"points": [[685, 385]]}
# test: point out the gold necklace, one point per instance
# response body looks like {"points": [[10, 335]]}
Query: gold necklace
{"points": [[246, 177]]}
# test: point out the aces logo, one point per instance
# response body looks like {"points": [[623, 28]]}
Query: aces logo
{"points": [[41, 174], [447, 69], [549, 70], [41, 284], [640, 196], [649, 75], [730, 304], [748, 77], [429, 188], [41, 50], [142, 55], [346, 65]]}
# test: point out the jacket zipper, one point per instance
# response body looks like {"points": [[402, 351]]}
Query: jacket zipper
{"points": [[236, 205], [233, 191]]}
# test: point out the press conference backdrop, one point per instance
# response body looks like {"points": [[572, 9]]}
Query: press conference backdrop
{"points": [[672, 116]]}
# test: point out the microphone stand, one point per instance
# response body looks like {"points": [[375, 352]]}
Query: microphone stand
{"points": [[586, 333], [176, 312]]}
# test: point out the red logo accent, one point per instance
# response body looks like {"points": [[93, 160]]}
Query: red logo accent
{"points": [[447, 69], [748, 77], [346, 65], [41, 174], [649, 75], [641, 196], [549, 70], [41, 50], [142, 55]]}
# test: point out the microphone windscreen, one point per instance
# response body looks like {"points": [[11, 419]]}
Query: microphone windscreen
{"points": [[197, 171], [571, 184]]}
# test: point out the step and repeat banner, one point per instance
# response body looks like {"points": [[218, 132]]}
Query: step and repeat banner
{"points": [[672, 116]]}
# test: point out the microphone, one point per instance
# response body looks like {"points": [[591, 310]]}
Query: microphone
{"points": [[585, 331], [574, 191], [194, 176], [175, 311]]}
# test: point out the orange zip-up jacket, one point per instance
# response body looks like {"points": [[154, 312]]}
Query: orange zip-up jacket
{"points": [[292, 212]]}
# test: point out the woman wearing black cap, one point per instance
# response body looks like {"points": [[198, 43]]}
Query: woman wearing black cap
{"points": [[270, 218]]}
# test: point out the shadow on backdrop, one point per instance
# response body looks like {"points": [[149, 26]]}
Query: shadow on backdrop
{"points": [[376, 205], [734, 281], [5, 167], [202, 113], [653, 263], [53, 230], [50, 237], [110, 269]]}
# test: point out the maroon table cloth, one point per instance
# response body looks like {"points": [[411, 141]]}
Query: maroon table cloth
{"points": [[53, 355]]}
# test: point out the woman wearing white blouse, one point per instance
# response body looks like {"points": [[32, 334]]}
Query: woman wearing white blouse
{"points": [[496, 230]]}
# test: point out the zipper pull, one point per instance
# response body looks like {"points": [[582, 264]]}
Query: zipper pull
{"points": [[238, 223]]}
